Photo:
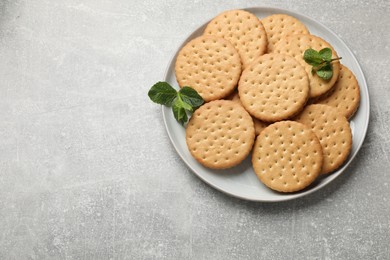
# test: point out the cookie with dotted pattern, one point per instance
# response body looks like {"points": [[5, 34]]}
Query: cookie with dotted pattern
{"points": [[333, 131], [274, 87], [278, 26], [220, 134], [295, 46], [345, 95], [259, 125], [210, 65], [244, 30], [287, 156]]}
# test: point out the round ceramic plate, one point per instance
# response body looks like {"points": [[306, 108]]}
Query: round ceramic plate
{"points": [[241, 181]]}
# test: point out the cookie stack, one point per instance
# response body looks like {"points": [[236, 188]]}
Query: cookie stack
{"points": [[262, 96]]}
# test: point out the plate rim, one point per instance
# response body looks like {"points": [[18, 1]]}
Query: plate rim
{"points": [[296, 195]]}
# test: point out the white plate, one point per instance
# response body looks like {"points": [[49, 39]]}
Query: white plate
{"points": [[241, 180]]}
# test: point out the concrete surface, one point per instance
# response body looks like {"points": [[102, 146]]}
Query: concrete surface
{"points": [[87, 170]]}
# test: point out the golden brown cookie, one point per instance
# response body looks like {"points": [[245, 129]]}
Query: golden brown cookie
{"points": [[244, 30], [287, 156], [274, 87], [296, 45], [333, 131], [345, 95], [220, 134], [210, 65], [259, 125], [278, 26]]}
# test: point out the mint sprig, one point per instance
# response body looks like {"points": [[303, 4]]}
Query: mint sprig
{"points": [[183, 102], [321, 62]]}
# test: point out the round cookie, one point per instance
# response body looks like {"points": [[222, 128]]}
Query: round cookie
{"points": [[210, 65], [278, 26], [244, 30], [333, 131], [220, 134], [259, 125], [296, 45], [274, 87], [345, 95], [287, 156]]}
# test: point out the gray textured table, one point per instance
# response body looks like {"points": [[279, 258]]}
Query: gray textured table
{"points": [[87, 170]]}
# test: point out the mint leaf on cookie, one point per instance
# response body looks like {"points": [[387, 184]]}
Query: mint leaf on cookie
{"points": [[321, 62], [326, 54], [312, 57], [183, 102], [325, 72]]}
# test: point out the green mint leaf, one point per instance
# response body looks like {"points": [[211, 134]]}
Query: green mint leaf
{"points": [[191, 97], [162, 93], [326, 54], [179, 112], [183, 102], [321, 62], [325, 72], [312, 57]]}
